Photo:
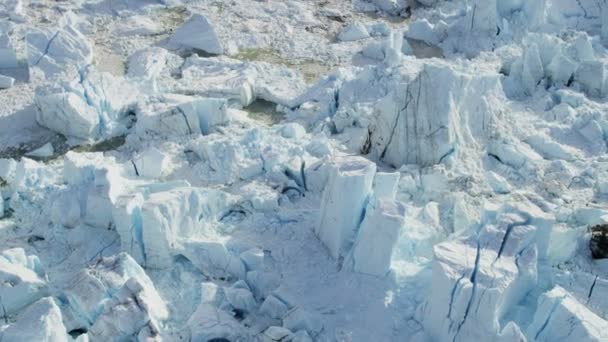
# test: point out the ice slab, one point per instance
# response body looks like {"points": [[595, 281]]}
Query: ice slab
{"points": [[344, 199], [214, 259], [23, 280], [197, 33], [41, 321], [377, 237]]}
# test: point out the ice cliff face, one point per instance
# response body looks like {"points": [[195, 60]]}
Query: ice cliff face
{"points": [[363, 170]]}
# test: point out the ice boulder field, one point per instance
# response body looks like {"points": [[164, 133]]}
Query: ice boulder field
{"points": [[304, 170]]}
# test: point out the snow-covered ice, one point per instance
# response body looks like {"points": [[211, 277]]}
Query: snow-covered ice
{"points": [[366, 170]]}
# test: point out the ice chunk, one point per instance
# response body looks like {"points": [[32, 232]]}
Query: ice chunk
{"points": [[240, 299], [53, 51], [147, 63], [8, 58], [478, 280], [386, 184], [198, 33], [152, 229], [40, 322], [344, 199], [95, 106], [355, 31], [209, 323], [151, 163], [44, 151], [109, 288], [22, 280], [300, 319], [190, 116], [498, 183], [6, 82], [561, 317], [274, 333], [273, 307], [214, 260], [253, 259], [592, 76], [373, 248]]}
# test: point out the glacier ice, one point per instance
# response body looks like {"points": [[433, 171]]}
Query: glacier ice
{"points": [[6, 82]]}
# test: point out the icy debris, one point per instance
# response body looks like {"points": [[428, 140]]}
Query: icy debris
{"points": [[40, 322], [190, 115], [151, 163], [147, 62], [6, 82], [52, 51], [355, 31], [478, 280], [209, 323], [498, 183], [340, 216], [100, 296], [377, 237], [559, 316], [214, 259], [153, 227], [23, 280], [44, 151], [197, 33], [95, 106]]}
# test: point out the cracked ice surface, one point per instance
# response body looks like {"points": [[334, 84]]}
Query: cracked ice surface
{"points": [[365, 170]]}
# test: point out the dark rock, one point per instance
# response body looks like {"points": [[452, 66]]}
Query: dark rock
{"points": [[599, 241]]}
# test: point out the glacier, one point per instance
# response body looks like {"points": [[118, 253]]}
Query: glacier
{"points": [[365, 170]]}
